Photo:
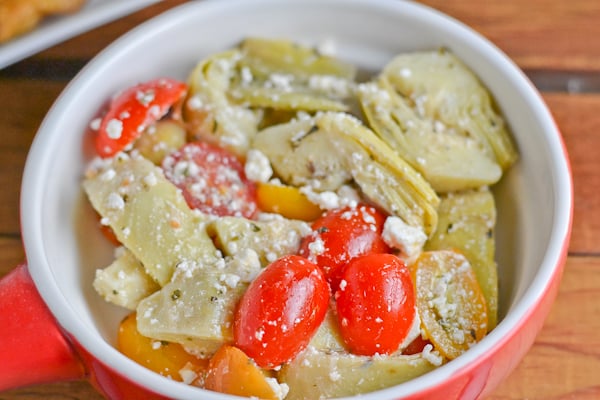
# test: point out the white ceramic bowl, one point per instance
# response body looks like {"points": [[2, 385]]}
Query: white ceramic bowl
{"points": [[534, 199]]}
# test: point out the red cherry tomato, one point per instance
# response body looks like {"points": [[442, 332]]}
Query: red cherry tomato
{"points": [[341, 234], [212, 180], [375, 304], [133, 110], [281, 311], [416, 346]]}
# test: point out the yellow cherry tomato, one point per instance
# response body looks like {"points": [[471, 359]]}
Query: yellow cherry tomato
{"points": [[287, 201], [168, 359], [450, 302], [231, 371]]}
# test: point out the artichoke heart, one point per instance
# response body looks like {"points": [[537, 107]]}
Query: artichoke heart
{"points": [[448, 161], [210, 113], [333, 149], [283, 75], [442, 88]]}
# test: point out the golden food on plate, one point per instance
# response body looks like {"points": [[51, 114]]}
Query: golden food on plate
{"points": [[21, 16]]}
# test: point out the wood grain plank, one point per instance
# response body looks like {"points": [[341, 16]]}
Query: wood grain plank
{"points": [[579, 121], [565, 358], [23, 108], [537, 34]]}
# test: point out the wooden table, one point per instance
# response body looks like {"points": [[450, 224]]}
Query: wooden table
{"points": [[556, 42]]}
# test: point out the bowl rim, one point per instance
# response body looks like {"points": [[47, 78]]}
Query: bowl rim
{"points": [[39, 158]]}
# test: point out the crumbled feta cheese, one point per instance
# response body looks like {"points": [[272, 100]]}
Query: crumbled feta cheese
{"points": [[279, 389], [95, 124], [115, 202], [150, 180], [408, 239], [187, 373], [114, 129], [432, 356], [257, 167]]}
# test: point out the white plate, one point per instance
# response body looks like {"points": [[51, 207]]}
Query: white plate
{"points": [[56, 29]]}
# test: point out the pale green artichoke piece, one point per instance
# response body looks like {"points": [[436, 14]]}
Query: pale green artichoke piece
{"points": [[210, 113], [466, 223], [328, 337], [333, 149], [268, 55], [196, 309], [283, 75], [442, 88], [148, 215], [448, 161], [270, 239], [125, 281], [317, 374]]}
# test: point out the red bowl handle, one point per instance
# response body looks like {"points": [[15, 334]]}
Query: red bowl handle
{"points": [[33, 348]]}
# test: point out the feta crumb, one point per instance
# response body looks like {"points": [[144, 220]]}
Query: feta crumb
{"points": [[115, 202], [187, 373], [408, 239], [114, 128], [432, 356], [279, 389], [230, 280], [257, 167], [95, 124], [150, 180]]}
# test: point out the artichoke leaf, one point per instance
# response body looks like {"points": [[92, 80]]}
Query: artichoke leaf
{"points": [[316, 374], [210, 113], [448, 161], [264, 56], [467, 222], [333, 149], [443, 88], [196, 309], [283, 75]]}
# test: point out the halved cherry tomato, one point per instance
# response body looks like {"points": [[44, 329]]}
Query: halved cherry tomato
{"points": [[233, 372], [212, 180], [168, 359], [288, 201], [281, 311], [375, 304], [133, 110], [450, 301], [341, 234], [416, 346]]}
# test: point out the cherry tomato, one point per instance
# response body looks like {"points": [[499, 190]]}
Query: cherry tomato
{"points": [[341, 234], [450, 301], [133, 110], [212, 180], [231, 371], [168, 359], [288, 201], [416, 346], [375, 304], [281, 311]]}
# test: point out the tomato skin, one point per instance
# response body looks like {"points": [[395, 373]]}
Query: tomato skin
{"points": [[375, 304], [212, 180], [231, 371], [450, 301], [133, 110], [288, 201], [281, 311], [344, 233], [166, 359]]}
